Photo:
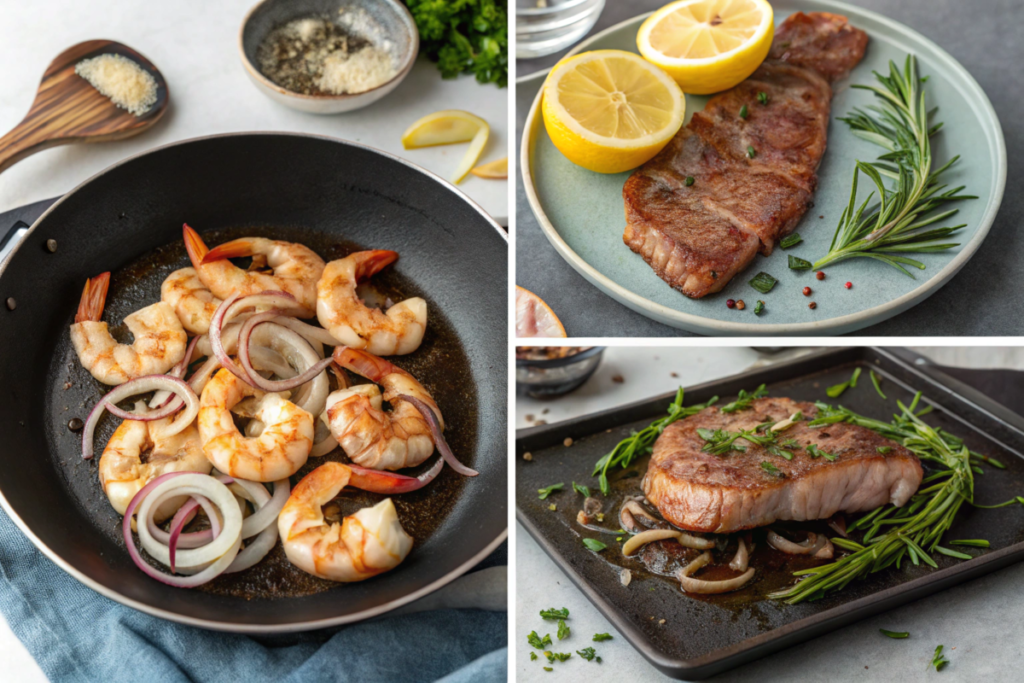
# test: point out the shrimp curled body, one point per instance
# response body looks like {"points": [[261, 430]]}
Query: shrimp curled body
{"points": [[339, 309], [367, 543], [137, 453], [159, 344], [193, 303], [279, 450], [370, 436]]}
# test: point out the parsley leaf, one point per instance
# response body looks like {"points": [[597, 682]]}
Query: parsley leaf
{"points": [[464, 36], [536, 641], [598, 637], [580, 488], [594, 544], [545, 492], [815, 452], [563, 630], [555, 613], [587, 653]]}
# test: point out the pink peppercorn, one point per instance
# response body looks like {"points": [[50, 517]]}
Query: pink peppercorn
{"points": [[807, 291], [730, 303], [848, 285]]}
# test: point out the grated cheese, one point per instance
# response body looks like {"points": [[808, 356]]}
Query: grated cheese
{"points": [[128, 85], [357, 72]]}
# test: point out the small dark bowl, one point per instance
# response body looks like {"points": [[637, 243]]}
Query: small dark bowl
{"points": [[558, 376]]}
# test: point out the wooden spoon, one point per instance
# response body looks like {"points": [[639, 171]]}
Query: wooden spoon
{"points": [[68, 109]]}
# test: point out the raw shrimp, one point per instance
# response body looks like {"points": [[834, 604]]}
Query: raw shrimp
{"points": [[296, 268], [342, 313], [137, 453], [280, 449], [369, 436], [193, 303], [159, 344], [365, 544]]}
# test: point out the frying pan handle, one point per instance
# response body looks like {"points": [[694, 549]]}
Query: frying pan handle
{"points": [[12, 239]]}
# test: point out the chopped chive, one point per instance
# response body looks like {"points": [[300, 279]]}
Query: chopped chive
{"points": [[594, 544], [973, 542], [762, 97], [797, 263], [759, 308], [763, 282], [689, 180], [877, 381], [598, 637], [791, 240], [772, 469], [743, 112], [751, 152], [548, 490], [815, 452], [938, 661], [884, 450], [836, 390], [894, 634], [548, 668]]}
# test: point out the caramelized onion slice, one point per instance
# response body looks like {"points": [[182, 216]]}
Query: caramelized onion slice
{"points": [[692, 585], [644, 537], [742, 558], [816, 544]]}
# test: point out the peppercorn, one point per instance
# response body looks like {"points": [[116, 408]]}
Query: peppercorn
{"points": [[740, 305], [812, 305], [848, 285], [807, 291], [730, 303], [820, 275]]}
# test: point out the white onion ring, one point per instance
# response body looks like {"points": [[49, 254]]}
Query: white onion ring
{"points": [[326, 444], [162, 398], [813, 544], [262, 522], [270, 385], [634, 508], [142, 385], [692, 585], [742, 558], [193, 484], [644, 537], [312, 334]]}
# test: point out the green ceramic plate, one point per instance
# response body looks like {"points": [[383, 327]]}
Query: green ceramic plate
{"points": [[581, 212]]}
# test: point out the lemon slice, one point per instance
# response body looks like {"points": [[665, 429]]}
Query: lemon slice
{"points": [[450, 127], [494, 170], [534, 318], [610, 111], [708, 45]]}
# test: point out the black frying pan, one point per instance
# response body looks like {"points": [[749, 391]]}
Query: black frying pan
{"points": [[335, 197]]}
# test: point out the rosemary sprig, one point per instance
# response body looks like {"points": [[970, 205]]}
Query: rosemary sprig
{"points": [[640, 443], [898, 223], [892, 534]]}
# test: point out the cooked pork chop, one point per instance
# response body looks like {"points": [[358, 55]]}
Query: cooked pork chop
{"points": [[700, 491], [697, 236]]}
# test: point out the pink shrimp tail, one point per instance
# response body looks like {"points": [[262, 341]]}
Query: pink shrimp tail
{"points": [[94, 298], [369, 263], [195, 246], [233, 249], [365, 364]]}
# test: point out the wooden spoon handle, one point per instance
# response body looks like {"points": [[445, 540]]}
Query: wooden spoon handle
{"points": [[25, 140]]}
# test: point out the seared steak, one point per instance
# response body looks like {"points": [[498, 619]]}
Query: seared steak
{"points": [[700, 491], [697, 236]]}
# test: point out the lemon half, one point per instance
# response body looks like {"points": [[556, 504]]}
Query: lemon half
{"points": [[610, 111], [708, 45], [534, 318]]}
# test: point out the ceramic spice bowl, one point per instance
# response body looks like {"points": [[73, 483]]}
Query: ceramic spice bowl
{"points": [[391, 15]]}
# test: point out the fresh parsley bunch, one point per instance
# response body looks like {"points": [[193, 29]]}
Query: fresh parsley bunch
{"points": [[464, 36]]}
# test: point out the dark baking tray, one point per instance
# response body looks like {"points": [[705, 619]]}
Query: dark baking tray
{"points": [[704, 636]]}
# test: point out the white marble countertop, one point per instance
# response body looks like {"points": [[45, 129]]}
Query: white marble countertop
{"points": [[981, 619], [195, 45]]}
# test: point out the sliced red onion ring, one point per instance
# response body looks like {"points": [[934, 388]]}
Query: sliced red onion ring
{"points": [[183, 516], [435, 430], [142, 385], [268, 384], [310, 333], [379, 481], [217, 345], [162, 398]]}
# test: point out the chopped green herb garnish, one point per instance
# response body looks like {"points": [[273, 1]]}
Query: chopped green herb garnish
{"points": [[563, 630], [751, 152], [759, 307], [797, 263], [598, 637], [744, 112], [924, 79], [594, 544], [953, 553], [884, 450], [536, 641], [557, 656], [772, 469], [877, 381], [762, 97], [938, 661], [791, 240], [580, 488], [554, 614], [533, 656], [837, 390], [973, 542], [894, 634], [639, 444], [689, 180], [744, 399], [815, 452], [587, 653], [545, 492], [763, 282], [548, 668]]}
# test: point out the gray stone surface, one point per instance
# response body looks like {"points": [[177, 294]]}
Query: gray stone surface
{"points": [[983, 299]]}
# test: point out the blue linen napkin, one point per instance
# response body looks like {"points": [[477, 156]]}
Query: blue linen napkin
{"points": [[76, 634]]}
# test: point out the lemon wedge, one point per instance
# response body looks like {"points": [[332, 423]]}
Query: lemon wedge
{"points": [[610, 111], [496, 170], [450, 127], [708, 45], [534, 318]]}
